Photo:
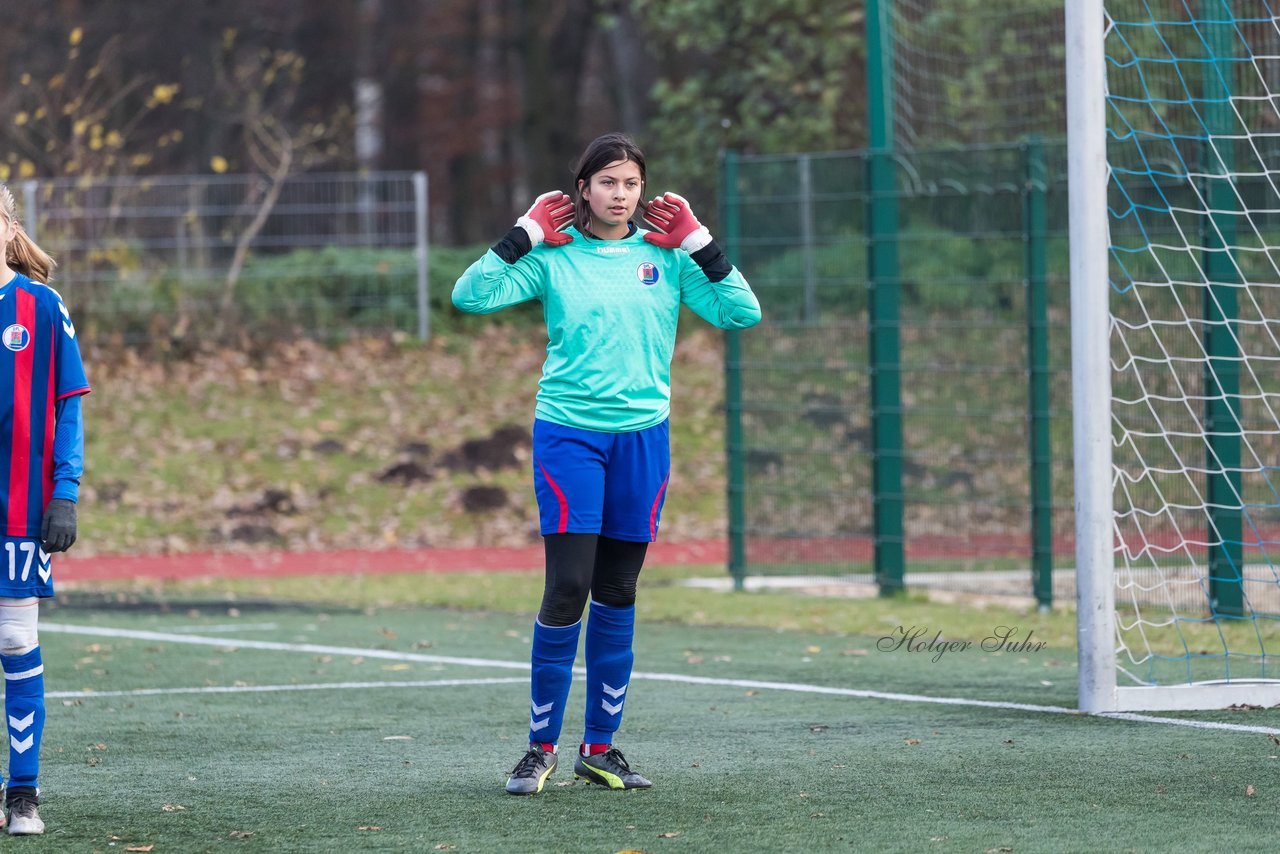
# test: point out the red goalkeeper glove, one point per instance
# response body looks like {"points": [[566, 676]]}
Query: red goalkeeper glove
{"points": [[550, 213], [672, 216]]}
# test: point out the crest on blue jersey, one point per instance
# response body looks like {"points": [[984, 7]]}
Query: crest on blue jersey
{"points": [[647, 273], [16, 337]]}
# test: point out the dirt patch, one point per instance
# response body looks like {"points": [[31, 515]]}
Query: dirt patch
{"points": [[481, 499], [272, 501], [499, 450], [405, 473]]}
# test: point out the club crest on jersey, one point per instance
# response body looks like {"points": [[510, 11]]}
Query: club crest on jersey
{"points": [[647, 273], [16, 337]]}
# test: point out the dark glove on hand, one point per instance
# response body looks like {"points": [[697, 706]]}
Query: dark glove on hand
{"points": [[59, 528]]}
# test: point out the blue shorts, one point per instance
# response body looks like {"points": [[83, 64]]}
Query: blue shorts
{"points": [[26, 569], [591, 482]]}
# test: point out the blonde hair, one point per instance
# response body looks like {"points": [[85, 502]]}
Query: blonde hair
{"points": [[22, 253]]}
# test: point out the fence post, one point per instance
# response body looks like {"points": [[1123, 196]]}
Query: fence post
{"points": [[1221, 315], [31, 208], [883, 275], [806, 238], [420, 253], [1035, 226], [734, 469]]}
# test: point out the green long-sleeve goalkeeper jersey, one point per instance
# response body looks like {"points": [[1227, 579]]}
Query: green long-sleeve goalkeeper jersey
{"points": [[611, 308]]}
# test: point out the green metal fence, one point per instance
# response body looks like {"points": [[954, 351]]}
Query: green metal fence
{"points": [[902, 412], [153, 260]]}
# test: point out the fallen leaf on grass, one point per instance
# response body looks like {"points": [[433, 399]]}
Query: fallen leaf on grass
{"points": [[140, 847], [1248, 791], [670, 834], [912, 741], [446, 846], [173, 808], [240, 834]]}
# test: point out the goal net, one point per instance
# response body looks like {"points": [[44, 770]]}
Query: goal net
{"points": [[1176, 349]]}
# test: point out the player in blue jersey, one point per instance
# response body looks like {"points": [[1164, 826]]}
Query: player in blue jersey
{"points": [[41, 460], [611, 295]]}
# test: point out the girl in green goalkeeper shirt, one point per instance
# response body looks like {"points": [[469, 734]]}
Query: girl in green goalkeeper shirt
{"points": [[611, 295]]}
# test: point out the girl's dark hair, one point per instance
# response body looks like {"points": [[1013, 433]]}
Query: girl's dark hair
{"points": [[602, 151]]}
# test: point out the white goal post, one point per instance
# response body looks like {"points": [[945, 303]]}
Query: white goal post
{"points": [[1173, 114]]}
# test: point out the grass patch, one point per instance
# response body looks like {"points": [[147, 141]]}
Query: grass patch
{"points": [[283, 756], [364, 445], [663, 598]]}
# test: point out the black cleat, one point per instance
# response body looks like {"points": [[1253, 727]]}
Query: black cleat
{"points": [[532, 771], [609, 769]]}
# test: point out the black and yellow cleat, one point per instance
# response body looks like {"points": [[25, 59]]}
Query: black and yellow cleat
{"points": [[609, 769], [532, 771]]}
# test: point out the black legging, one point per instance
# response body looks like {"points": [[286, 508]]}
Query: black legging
{"points": [[579, 565]]}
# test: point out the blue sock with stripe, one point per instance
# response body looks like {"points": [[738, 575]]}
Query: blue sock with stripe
{"points": [[554, 648], [609, 660], [24, 713]]}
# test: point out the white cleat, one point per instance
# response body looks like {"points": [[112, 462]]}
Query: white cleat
{"points": [[24, 817]]}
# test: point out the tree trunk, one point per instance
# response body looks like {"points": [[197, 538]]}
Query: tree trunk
{"points": [[555, 50]]}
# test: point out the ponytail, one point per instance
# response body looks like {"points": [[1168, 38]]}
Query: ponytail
{"points": [[28, 258], [23, 255]]}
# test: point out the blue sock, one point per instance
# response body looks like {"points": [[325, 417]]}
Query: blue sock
{"points": [[24, 711], [609, 659], [554, 648]]}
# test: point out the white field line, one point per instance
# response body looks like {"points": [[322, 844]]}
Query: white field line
{"points": [[795, 687], [228, 627], [266, 689]]}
